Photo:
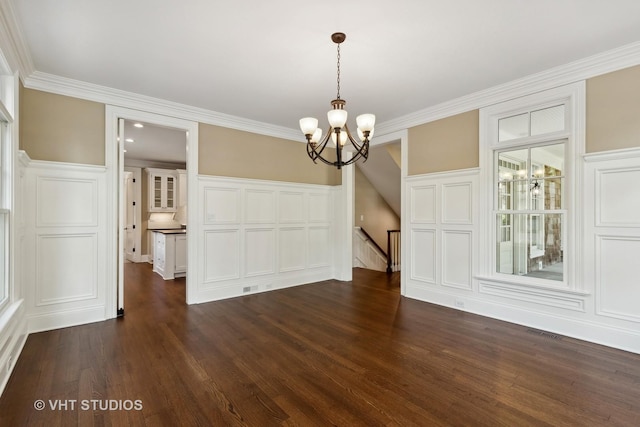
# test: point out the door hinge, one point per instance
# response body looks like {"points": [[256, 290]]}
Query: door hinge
{"points": [[134, 226], [134, 249], [134, 203], [134, 180]]}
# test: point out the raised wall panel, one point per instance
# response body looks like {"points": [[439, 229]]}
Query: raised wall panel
{"points": [[423, 204], [617, 284], [456, 203], [456, 259], [66, 268], [260, 249], [291, 208], [221, 206], [62, 202], [319, 207], [221, 255], [423, 255], [319, 246], [292, 252], [618, 197], [262, 235], [260, 206]]}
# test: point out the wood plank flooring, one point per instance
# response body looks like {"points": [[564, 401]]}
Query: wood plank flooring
{"points": [[330, 353]]}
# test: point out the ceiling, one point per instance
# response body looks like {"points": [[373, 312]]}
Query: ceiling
{"points": [[274, 62], [153, 143]]}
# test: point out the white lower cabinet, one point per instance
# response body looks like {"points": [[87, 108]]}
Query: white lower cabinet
{"points": [[170, 254]]}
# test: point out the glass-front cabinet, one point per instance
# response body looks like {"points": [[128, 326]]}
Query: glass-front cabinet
{"points": [[162, 193]]}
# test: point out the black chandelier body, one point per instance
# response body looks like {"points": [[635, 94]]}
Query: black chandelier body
{"points": [[338, 132]]}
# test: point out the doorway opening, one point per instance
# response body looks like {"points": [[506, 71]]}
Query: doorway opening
{"points": [[155, 198], [377, 209], [152, 161]]}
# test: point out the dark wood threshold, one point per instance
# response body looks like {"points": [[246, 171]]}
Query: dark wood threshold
{"points": [[330, 353]]}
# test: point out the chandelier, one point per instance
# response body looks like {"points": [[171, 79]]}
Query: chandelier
{"points": [[338, 131]]}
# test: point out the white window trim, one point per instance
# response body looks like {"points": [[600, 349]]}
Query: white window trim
{"points": [[6, 126], [574, 97]]}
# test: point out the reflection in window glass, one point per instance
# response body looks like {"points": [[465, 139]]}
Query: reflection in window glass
{"points": [[547, 120], [547, 160], [529, 201], [530, 245], [513, 127]]}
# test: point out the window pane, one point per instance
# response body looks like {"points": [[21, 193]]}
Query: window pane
{"points": [[4, 218], [512, 180], [530, 245], [547, 160], [513, 127], [547, 120]]}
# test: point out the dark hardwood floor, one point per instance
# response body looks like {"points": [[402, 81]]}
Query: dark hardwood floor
{"points": [[330, 353]]}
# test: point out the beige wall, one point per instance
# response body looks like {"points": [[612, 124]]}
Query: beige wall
{"points": [[378, 215], [444, 145], [61, 129], [234, 153], [613, 110]]}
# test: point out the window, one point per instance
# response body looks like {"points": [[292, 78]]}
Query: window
{"points": [[4, 218], [529, 212], [7, 104], [529, 151]]}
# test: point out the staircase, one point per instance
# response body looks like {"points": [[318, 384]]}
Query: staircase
{"points": [[368, 254]]}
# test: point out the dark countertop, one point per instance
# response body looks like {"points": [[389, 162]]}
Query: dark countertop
{"points": [[171, 231]]}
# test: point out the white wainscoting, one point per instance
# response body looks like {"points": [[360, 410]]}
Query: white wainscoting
{"points": [[262, 235], [612, 250], [65, 235], [442, 217], [442, 229]]}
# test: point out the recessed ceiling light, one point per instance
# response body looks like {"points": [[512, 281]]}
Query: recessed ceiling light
{"points": [[128, 140], [138, 125]]}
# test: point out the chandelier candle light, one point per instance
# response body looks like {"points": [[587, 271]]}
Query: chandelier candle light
{"points": [[338, 131]]}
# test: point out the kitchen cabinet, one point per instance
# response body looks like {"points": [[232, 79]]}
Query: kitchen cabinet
{"points": [[170, 253], [163, 189]]}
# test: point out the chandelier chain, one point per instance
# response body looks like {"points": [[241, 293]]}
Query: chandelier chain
{"points": [[338, 79]]}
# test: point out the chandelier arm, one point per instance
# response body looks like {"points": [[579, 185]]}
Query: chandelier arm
{"points": [[322, 145], [311, 152], [361, 150], [319, 149]]}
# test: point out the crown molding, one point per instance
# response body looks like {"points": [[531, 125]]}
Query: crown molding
{"points": [[103, 94], [12, 42], [602, 63]]}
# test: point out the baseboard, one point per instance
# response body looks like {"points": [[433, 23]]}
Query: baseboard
{"points": [[64, 319], [220, 290], [582, 329]]}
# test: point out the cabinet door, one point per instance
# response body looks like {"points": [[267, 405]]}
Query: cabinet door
{"points": [[157, 194], [163, 191], [159, 251], [170, 192], [181, 254]]}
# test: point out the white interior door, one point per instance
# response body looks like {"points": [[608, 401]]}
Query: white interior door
{"points": [[130, 218]]}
